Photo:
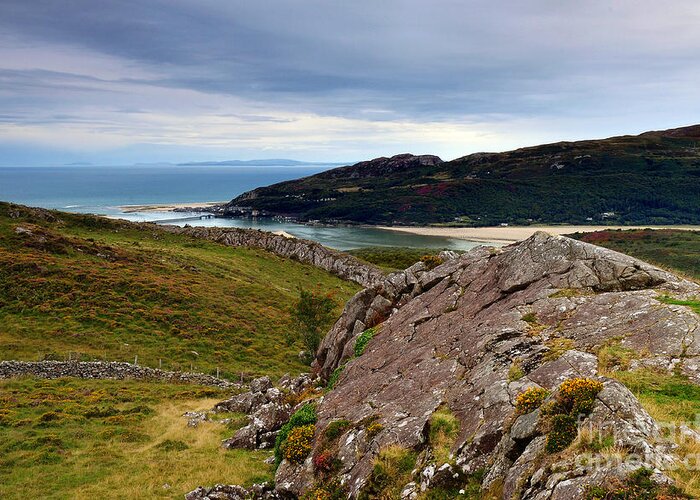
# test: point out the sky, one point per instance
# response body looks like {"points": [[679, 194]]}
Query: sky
{"points": [[131, 81]]}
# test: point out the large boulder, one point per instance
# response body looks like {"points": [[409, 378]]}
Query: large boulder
{"points": [[454, 335]]}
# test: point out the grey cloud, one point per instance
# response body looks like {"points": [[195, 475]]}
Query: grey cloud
{"points": [[416, 60]]}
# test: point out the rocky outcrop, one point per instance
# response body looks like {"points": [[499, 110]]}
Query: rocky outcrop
{"points": [[268, 408], [308, 252], [233, 492], [452, 336], [106, 370]]}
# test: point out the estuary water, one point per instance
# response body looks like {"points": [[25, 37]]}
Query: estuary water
{"points": [[104, 190]]}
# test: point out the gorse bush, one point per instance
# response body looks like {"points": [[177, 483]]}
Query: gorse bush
{"points": [[575, 398], [577, 395], [304, 416], [374, 428], [562, 432], [298, 443], [530, 399], [431, 261]]}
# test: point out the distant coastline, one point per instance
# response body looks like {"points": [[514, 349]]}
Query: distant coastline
{"points": [[499, 235], [169, 207]]}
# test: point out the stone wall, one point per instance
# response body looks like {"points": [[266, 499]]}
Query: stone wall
{"points": [[105, 370], [308, 252]]}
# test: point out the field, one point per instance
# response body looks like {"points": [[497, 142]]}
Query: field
{"points": [[79, 439], [90, 288], [82, 287], [392, 258], [671, 249]]}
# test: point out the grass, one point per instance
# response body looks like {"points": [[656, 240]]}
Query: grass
{"points": [[444, 428], [557, 347], [671, 400], [613, 357], [693, 304], [667, 398], [393, 258], [83, 439], [102, 289], [391, 471], [672, 249]]}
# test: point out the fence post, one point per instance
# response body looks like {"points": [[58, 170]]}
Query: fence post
{"points": [[136, 359], [217, 372]]}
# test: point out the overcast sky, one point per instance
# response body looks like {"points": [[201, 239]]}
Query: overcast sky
{"points": [[173, 80]]}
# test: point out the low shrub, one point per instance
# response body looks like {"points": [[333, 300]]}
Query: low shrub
{"points": [[172, 445], [304, 416], [100, 412], [530, 318], [328, 490], [637, 486], [562, 432], [324, 462], [530, 399], [297, 446], [575, 398], [363, 340], [391, 471], [335, 429], [333, 379], [374, 428], [577, 395], [431, 261]]}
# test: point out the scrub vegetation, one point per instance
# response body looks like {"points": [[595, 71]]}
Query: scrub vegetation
{"points": [[90, 288]]}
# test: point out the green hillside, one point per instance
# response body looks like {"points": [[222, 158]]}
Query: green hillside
{"points": [[647, 179], [91, 288], [676, 250]]}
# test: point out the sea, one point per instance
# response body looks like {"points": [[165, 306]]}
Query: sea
{"points": [[106, 190]]}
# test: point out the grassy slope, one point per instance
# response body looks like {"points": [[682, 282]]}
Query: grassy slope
{"points": [[104, 439], [675, 250], [113, 290], [392, 258]]}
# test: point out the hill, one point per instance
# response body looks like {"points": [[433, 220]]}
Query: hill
{"points": [[645, 179], [91, 288], [667, 248]]}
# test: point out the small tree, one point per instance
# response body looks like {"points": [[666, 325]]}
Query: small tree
{"points": [[311, 313]]}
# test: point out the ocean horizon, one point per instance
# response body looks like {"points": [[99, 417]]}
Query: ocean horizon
{"points": [[107, 190]]}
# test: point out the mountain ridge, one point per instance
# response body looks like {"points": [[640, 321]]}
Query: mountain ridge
{"points": [[632, 179]]}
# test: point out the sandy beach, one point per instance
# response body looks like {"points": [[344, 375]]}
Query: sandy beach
{"points": [[511, 234], [168, 207]]}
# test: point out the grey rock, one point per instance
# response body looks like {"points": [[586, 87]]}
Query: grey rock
{"points": [[454, 332], [261, 384], [525, 428]]}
